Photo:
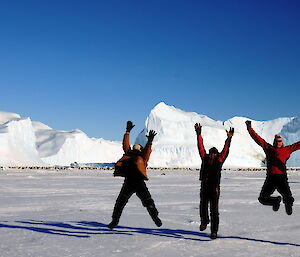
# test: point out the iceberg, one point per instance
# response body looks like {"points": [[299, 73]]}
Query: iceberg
{"points": [[176, 144]]}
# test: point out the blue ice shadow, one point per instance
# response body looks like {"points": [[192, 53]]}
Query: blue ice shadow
{"points": [[258, 240], [86, 229]]}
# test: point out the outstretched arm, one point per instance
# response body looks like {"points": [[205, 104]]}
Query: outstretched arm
{"points": [[294, 147], [260, 141], [126, 137], [226, 147], [200, 144]]}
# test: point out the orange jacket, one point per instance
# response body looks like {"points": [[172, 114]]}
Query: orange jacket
{"points": [[141, 160]]}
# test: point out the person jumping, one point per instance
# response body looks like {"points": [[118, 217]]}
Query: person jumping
{"points": [[210, 175], [132, 166], [277, 156]]}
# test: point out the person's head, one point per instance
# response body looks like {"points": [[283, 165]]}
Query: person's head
{"points": [[137, 148], [278, 141], [213, 152]]}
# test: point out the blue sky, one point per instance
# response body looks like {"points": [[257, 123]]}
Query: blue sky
{"points": [[93, 65]]}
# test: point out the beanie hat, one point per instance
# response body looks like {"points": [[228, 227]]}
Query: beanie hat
{"points": [[213, 150]]}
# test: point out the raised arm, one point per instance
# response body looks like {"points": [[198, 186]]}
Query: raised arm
{"points": [[260, 141], [148, 147], [126, 137], [226, 147], [294, 147], [200, 144]]}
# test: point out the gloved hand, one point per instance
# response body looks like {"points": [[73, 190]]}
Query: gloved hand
{"points": [[129, 126], [151, 135], [198, 128], [230, 132], [248, 123]]}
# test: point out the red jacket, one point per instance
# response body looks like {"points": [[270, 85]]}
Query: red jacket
{"points": [[276, 157], [210, 172], [222, 156]]}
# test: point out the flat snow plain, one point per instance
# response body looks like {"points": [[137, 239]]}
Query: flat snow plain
{"points": [[64, 213]]}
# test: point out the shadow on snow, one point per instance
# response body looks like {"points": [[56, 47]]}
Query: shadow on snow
{"points": [[86, 229]]}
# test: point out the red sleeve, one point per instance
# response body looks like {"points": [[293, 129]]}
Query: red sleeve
{"points": [[294, 147], [260, 141], [126, 142], [225, 150], [201, 146]]}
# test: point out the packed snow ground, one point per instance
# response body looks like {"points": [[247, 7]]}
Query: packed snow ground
{"points": [[64, 213]]}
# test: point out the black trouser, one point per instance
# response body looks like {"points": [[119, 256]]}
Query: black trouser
{"points": [[130, 187], [210, 194], [273, 182]]}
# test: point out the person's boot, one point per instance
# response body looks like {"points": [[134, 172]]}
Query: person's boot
{"points": [[289, 205], [157, 221], [276, 203], [113, 223], [213, 235], [203, 226], [154, 215]]}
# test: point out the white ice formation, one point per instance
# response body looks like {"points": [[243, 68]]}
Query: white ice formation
{"points": [[24, 142], [176, 146]]}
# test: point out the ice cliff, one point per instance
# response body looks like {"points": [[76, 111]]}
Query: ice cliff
{"points": [[176, 146], [28, 143], [24, 142]]}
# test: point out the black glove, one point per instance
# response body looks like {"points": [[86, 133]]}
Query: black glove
{"points": [[151, 136], [248, 123], [129, 126], [230, 132], [198, 128]]}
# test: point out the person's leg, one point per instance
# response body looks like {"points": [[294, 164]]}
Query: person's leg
{"points": [[143, 193], [203, 208], [284, 189], [214, 212], [265, 197], [126, 192]]}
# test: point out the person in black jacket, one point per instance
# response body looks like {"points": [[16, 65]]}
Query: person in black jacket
{"points": [[210, 175], [133, 167]]}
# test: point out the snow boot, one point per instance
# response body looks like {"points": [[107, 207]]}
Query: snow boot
{"points": [[288, 202], [157, 221], [154, 215], [113, 224], [203, 226], [213, 235], [276, 203]]}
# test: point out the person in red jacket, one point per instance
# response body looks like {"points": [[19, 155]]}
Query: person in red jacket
{"points": [[210, 175], [133, 167], [277, 156]]}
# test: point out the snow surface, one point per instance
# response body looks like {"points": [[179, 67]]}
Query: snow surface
{"points": [[24, 142], [64, 213]]}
